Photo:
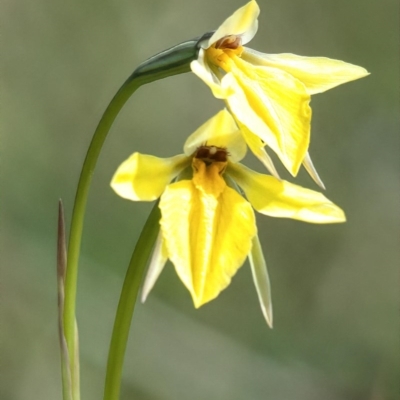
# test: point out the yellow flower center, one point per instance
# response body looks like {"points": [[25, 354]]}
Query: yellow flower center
{"points": [[221, 52], [209, 164]]}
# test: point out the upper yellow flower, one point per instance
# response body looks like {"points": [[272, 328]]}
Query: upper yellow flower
{"points": [[268, 94], [208, 228]]}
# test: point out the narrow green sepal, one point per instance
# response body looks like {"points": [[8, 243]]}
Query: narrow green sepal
{"points": [[258, 267], [261, 279]]}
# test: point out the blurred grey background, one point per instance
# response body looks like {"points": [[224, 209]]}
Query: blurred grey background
{"points": [[335, 287]]}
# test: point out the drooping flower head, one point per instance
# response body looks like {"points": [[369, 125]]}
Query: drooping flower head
{"points": [[268, 94], [207, 227]]}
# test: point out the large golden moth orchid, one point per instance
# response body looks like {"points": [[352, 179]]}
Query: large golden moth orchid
{"points": [[268, 94], [207, 227]]}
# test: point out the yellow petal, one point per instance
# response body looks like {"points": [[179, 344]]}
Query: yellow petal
{"points": [[157, 263], [202, 69], [256, 145], [274, 106], [143, 177], [221, 131], [243, 22], [318, 74], [208, 237], [283, 199]]}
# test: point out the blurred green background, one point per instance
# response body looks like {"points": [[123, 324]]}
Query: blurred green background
{"points": [[335, 287]]}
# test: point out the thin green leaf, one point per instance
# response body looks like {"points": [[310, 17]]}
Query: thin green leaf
{"points": [[61, 266], [76, 367], [261, 279]]}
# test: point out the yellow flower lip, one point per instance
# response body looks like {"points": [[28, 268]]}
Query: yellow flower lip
{"points": [[208, 168]]}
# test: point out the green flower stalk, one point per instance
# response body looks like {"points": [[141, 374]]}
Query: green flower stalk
{"points": [[173, 61], [126, 305]]}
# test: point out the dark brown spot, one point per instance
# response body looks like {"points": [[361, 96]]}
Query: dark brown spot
{"points": [[228, 42], [211, 154]]}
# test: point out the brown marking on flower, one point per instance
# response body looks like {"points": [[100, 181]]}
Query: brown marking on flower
{"points": [[228, 42], [211, 154]]}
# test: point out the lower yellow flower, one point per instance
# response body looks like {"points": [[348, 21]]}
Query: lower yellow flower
{"points": [[208, 228]]}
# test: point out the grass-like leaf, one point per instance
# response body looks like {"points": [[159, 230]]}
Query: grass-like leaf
{"points": [[70, 376]]}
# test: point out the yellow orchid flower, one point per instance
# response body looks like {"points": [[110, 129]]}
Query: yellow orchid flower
{"points": [[268, 94], [207, 228]]}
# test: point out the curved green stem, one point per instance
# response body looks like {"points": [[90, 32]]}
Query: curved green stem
{"points": [[126, 305], [170, 62], [80, 204]]}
